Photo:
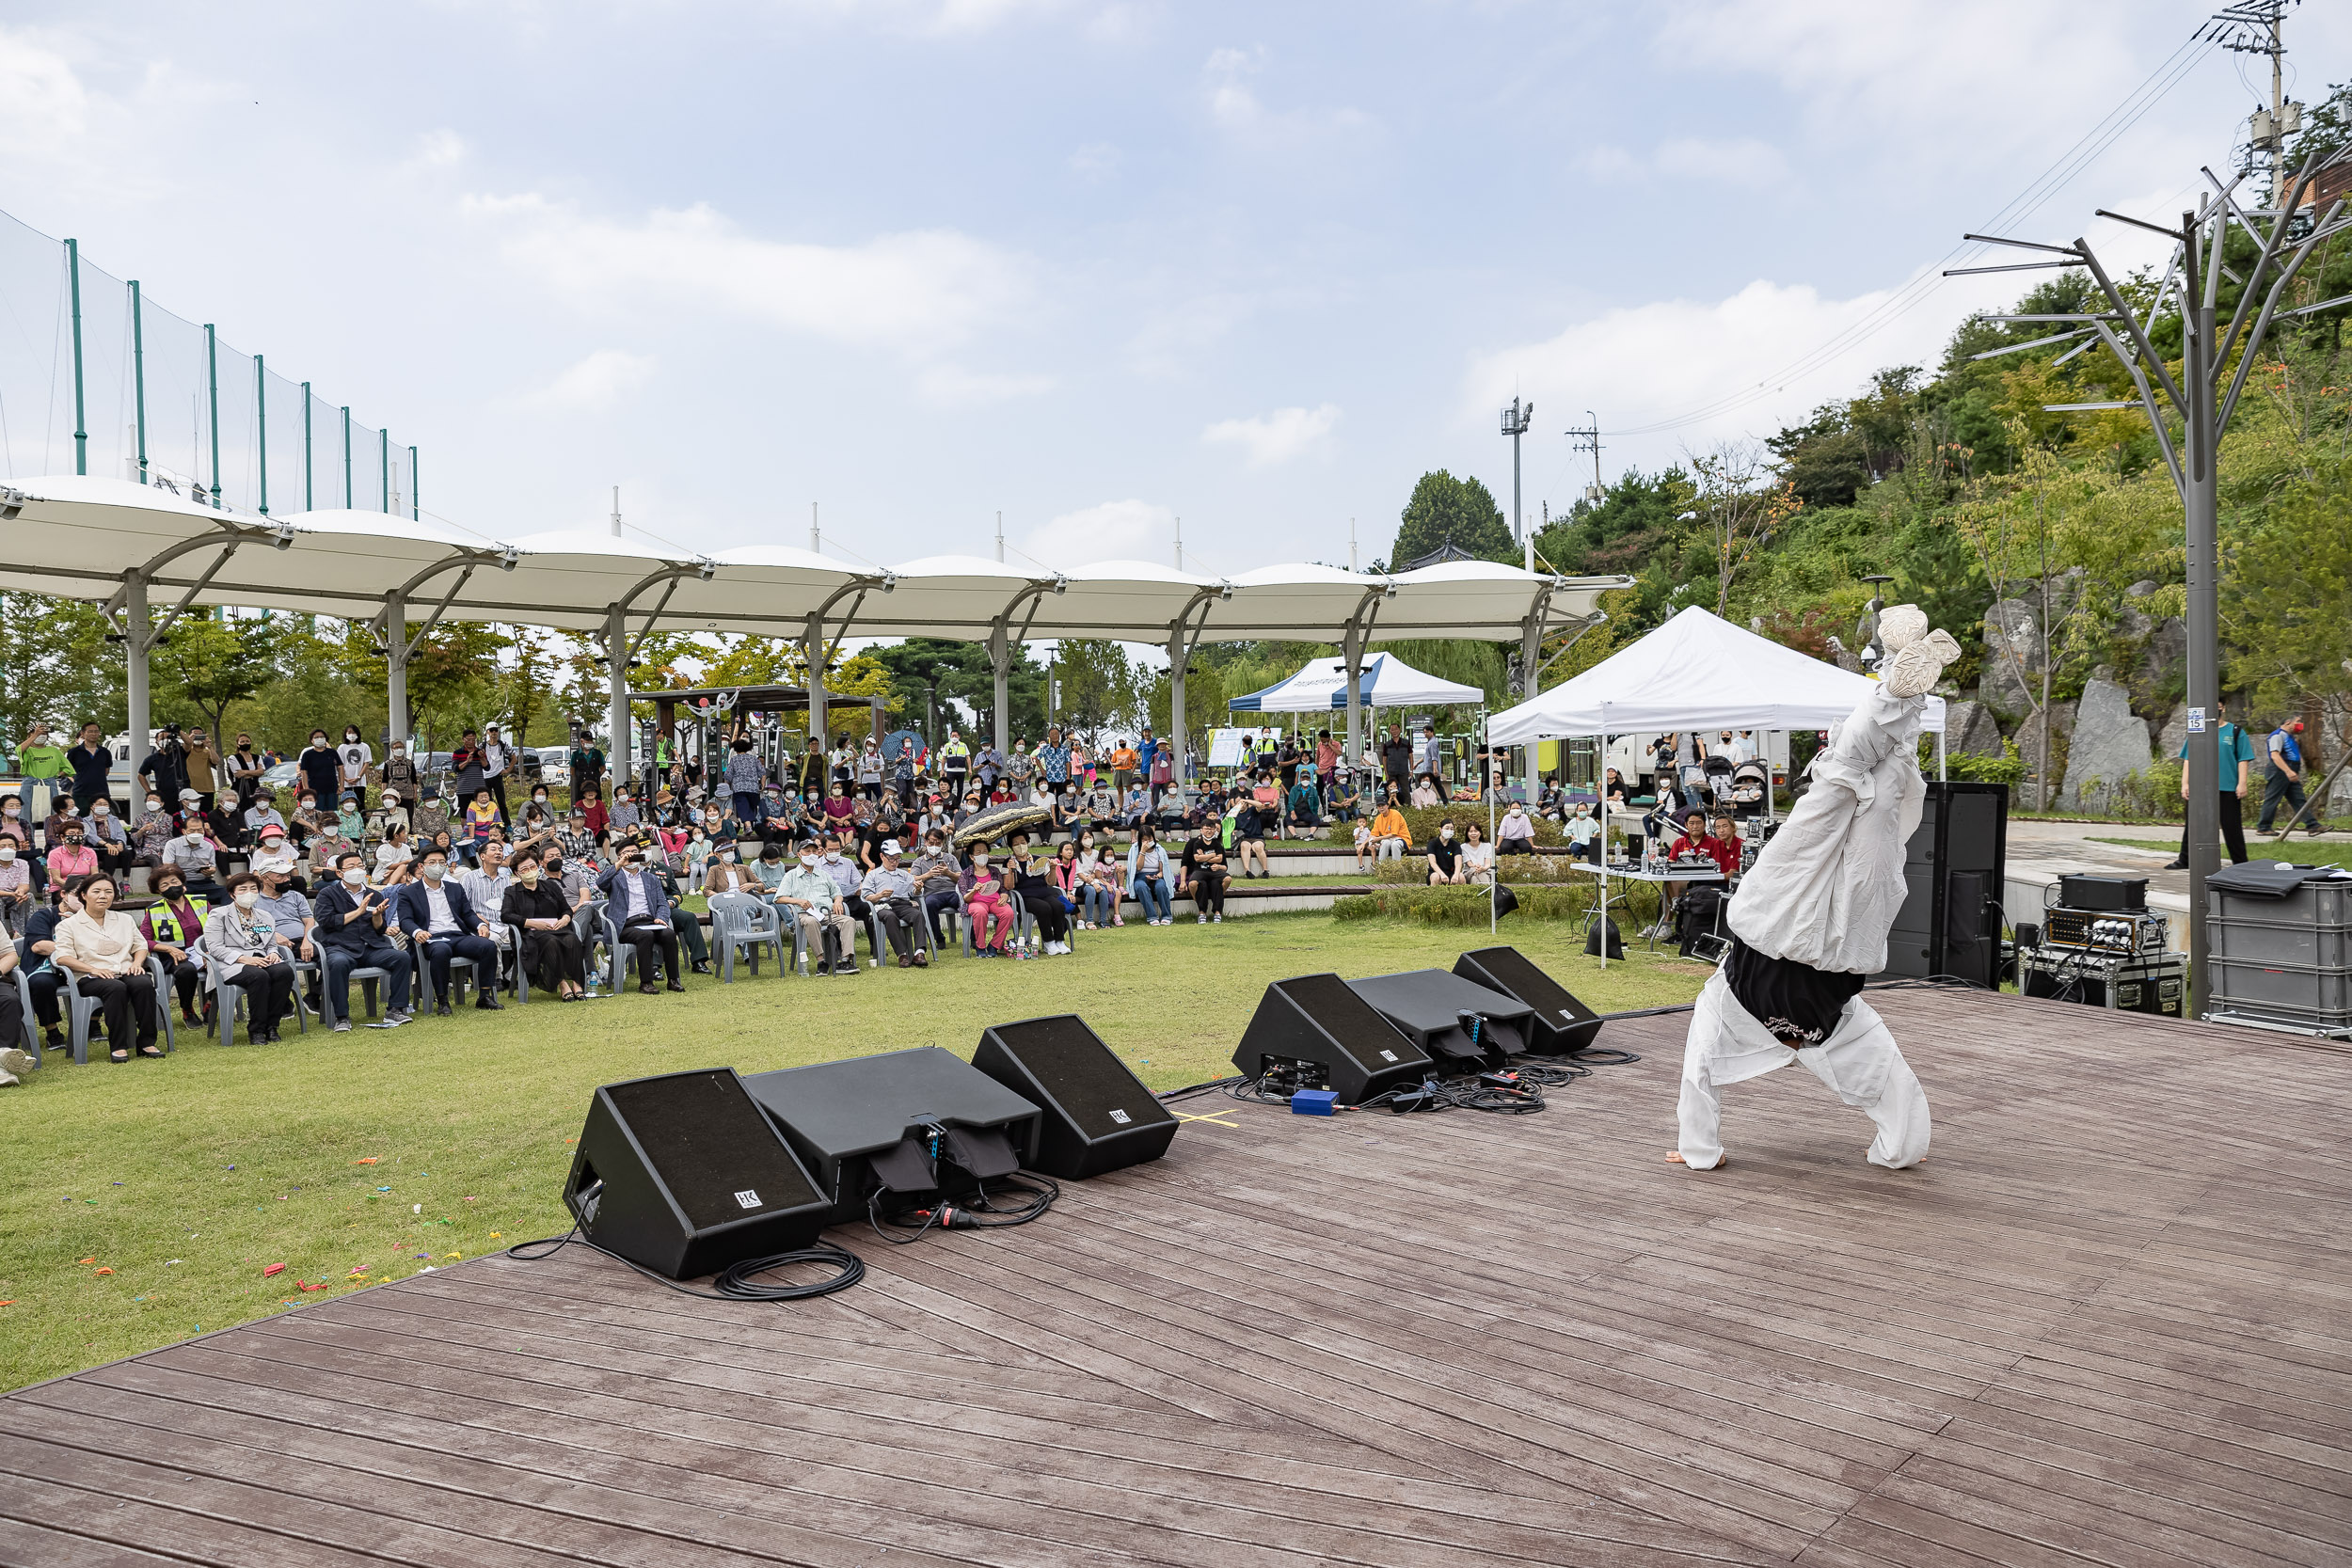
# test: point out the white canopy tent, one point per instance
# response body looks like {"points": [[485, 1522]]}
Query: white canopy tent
{"points": [[1385, 681], [117, 542], [1696, 672]]}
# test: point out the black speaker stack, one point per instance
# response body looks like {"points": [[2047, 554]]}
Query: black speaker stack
{"points": [[687, 1173], [1950, 921]]}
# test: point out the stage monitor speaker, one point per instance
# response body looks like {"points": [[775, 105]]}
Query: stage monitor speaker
{"points": [[1557, 1023], [913, 1122], [684, 1175], [1099, 1116], [1462, 1026], [1315, 1021]]}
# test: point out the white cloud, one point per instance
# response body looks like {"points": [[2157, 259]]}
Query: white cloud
{"points": [[1745, 162], [1643, 363], [43, 106], [1235, 109], [915, 291], [596, 382], [952, 387], [1278, 437], [1096, 160], [1115, 531], [442, 148]]}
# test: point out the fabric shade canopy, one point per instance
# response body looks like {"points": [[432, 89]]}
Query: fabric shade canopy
{"points": [[1386, 681], [1696, 672]]}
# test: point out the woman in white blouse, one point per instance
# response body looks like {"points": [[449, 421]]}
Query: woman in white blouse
{"points": [[393, 855], [107, 955], [1478, 855]]}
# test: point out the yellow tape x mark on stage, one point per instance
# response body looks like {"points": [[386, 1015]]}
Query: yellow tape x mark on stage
{"points": [[1216, 1116]]}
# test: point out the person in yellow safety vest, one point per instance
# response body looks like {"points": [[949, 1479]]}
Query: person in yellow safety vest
{"points": [[955, 762], [173, 928]]}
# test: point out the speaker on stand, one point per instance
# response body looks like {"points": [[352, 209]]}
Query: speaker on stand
{"points": [[1099, 1116], [683, 1175]]}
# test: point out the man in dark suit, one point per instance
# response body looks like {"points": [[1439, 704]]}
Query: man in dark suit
{"points": [[351, 926], [442, 923], [641, 912]]}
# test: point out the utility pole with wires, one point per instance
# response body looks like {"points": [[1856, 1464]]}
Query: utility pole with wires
{"points": [[1515, 420], [1588, 439], [2257, 27], [1000, 538], [2198, 406]]}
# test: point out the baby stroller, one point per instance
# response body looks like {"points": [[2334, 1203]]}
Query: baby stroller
{"points": [[1718, 774], [1745, 789]]}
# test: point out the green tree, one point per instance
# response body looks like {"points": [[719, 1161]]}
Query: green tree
{"points": [[1449, 511], [207, 662], [56, 665], [1101, 693]]}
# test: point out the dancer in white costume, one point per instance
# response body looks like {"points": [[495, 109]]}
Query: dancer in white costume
{"points": [[1810, 922]]}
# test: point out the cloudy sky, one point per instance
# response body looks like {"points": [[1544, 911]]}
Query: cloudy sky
{"points": [[1096, 264]]}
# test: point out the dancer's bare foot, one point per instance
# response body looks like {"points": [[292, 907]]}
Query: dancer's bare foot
{"points": [[1675, 1155]]}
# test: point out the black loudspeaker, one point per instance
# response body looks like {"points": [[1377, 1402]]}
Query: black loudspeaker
{"points": [[2106, 894], [1949, 923], [1341, 1038], [1463, 1026], [911, 1123], [684, 1175], [1557, 1023], [1099, 1116]]}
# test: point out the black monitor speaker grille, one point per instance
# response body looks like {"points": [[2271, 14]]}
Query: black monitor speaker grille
{"points": [[707, 1141], [1070, 1061], [1347, 1017]]}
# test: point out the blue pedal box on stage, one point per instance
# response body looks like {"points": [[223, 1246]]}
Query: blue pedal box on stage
{"points": [[1314, 1103]]}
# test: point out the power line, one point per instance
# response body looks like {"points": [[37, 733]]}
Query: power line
{"points": [[2094, 142]]}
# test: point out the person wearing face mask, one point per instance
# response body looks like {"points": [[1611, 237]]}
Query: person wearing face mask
{"points": [[768, 868], [539, 816], [937, 872], [498, 765], [888, 890], [554, 954], [103, 948], [573, 839], [94, 767], [1030, 882], [244, 769], [108, 837], [353, 759], [38, 944], [1203, 864], [727, 874], [16, 887], [744, 777], [1443, 861], [262, 813], [72, 857], [400, 774], [442, 925], [201, 764], [241, 949], [353, 923], [987, 912], [174, 928], [640, 912], [319, 769], [151, 831], [835, 862], [42, 761], [193, 855], [808, 895], [623, 817], [166, 768]]}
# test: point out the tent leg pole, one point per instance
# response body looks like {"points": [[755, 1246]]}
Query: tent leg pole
{"points": [[1494, 889], [1601, 916], [1941, 775]]}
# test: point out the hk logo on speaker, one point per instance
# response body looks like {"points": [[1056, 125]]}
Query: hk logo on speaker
{"points": [[1119, 1116], [748, 1198]]}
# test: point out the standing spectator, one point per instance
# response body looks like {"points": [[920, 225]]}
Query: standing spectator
{"points": [[2235, 777], [1150, 879], [587, 764], [1022, 771], [202, 764], [1396, 760], [903, 771], [989, 765], [498, 760], [241, 949], [1147, 755], [318, 767], [869, 769], [1286, 760], [42, 763], [1081, 765], [2283, 780], [1163, 772], [351, 931], [1052, 760], [955, 762], [465, 766], [353, 759], [245, 768], [401, 775], [93, 767], [102, 946], [174, 929], [1203, 862], [744, 777], [1123, 759], [166, 768]]}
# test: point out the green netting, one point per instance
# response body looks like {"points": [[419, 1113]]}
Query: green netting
{"points": [[218, 425]]}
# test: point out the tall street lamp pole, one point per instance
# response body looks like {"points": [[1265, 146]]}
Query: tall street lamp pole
{"points": [[1515, 420]]}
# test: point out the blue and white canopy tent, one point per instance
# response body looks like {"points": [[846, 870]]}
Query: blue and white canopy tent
{"points": [[1386, 681]]}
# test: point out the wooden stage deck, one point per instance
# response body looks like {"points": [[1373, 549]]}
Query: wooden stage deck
{"points": [[2108, 1323]]}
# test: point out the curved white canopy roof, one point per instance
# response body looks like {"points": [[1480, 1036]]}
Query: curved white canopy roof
{"points": [[75, 537]]}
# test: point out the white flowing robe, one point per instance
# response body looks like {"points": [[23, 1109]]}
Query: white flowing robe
{"points": [[1825, 891]]}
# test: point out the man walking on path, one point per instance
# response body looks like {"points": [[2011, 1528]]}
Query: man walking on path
{"points": [[2235, 775], [2284, 780]]}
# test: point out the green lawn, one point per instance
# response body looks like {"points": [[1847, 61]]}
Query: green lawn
{"points": [[2302, 851], [386, 1150]]}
